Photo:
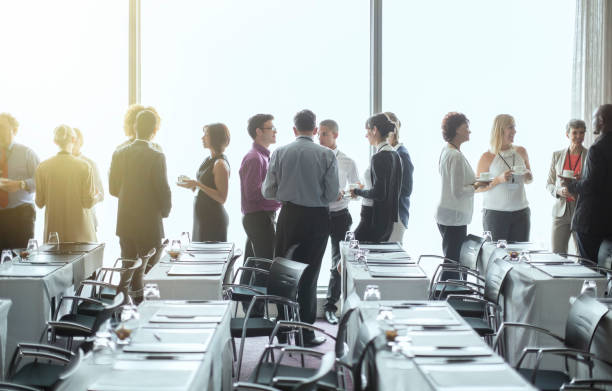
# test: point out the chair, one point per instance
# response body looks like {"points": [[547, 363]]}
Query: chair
{"points": [[471, 250], [103, 288], [297, 384], [47, 365], [244, 386], [228, 273], [253, 281], [587, 385], [439, 287], [582, 322], [78, 325], [282, 290], [604, 255], [16, 387]]}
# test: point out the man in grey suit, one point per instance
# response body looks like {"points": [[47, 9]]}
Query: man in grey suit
{"points": [[138, 178]]}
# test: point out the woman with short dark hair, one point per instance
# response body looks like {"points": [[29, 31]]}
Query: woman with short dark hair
{"points": [[385, 174], [459, 183], [210, 219]]}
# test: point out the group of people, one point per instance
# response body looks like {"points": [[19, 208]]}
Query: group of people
{"points": [[311, 184], [580, 180]]}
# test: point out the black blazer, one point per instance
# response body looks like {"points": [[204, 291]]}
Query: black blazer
{"points": [[138, 178], [594, 189], [386, 173]]}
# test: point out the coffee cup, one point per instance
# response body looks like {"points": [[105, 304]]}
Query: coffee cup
{"points": [[519, 169], [182, 179], [568, 173], [485, 176]]}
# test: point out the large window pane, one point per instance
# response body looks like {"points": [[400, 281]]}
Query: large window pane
{"points": [[66, 62], [481, 58], [223, 61]]}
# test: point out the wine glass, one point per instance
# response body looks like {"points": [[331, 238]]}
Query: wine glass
{"points": [[487, 236], [361, 256], [185, 239], [53, 238], [372, 293], [175, 249], [129, 323], [7, 256], [502, 243], [589, 287], [151, 292], [32, 246], [103, 348]]}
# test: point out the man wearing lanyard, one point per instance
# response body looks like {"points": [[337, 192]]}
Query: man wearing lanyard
{"points": [[17, 166], [340, 218], [304, 177]]}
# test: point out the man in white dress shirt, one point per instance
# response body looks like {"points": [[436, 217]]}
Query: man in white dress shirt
{"points": [[340, 218]]}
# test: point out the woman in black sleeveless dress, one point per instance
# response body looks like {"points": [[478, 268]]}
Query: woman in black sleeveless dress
{"points": [[210, 219]]}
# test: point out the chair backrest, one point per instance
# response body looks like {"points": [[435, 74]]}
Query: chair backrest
{"points": [[584, 316], [129, 267], [604, 256], [327, 365], [470, 250], [341, 347], [109, 310], [369, 339], [228, 273], [497, 271], [285, 277], [16, 387]]}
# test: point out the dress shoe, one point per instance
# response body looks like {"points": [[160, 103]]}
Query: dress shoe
{"points": [[330, 317], [316, 341]]}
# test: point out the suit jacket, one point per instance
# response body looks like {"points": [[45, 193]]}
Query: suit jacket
{"points": [[406, 191], [386, 176], [554, 183], [594, 189], [65, 188], [138, 178]]}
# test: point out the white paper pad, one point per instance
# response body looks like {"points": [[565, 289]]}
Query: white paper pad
{"points": [[448, 351], [170, 341], [214, 269], [387, 247], [424, 316], [147, 375], [474, 377], [203, 246], [186, 314], [403, 271], [568, 271], [27, 270]]}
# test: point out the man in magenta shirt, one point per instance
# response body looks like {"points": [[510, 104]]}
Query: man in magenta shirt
{"points": [[259, 213]]}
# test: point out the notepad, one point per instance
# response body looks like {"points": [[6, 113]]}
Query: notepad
{"points": [[403, 271], [170, 341], [568, 271], [213, 269]]}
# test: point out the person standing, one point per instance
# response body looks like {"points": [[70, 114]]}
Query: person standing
{"points": [[340, 218], [65, 188], [259, 213], [304, 177], [571, 159], [17, 167], [98, 186], [138, 178], [399, 228], [591, 222]]}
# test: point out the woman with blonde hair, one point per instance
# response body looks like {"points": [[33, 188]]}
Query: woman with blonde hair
{"points": [[210, 219], [130, 120], [65, 188], [99, 187], [506, 210]]}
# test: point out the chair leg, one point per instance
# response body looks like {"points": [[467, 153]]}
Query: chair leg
{"points": [[233, 349]]}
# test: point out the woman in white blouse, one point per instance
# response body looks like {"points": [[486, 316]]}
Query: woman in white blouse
{"points": [[506, 210], [459, 183]]}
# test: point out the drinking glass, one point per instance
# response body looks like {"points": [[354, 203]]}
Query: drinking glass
{"points": [[175, 249], [103, 348], [589, 287], [53, 238], [32, 246], [361, 255], [129, 323], [385, 313], [185, 239], [151, 292], [350, 235], [487, 236], [354, 244], [372, 293], [7, 256], [502, 243]]}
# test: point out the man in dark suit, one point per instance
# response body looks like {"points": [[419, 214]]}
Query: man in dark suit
{"points": [[138, 178], [593, 216]]}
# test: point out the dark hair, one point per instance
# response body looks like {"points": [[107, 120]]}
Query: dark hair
{"points": [[305, 121], [575, 124], [605, 111], [145, 124], [397, 122], [382, 122], [451, 122], [330, 124], [258, 121], [219, 136]]}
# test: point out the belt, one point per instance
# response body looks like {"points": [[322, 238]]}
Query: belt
{"points": [[338, 212]]}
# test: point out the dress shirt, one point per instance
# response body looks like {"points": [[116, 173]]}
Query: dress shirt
{"points": [[347, 173], [407, 170], [252, 174], [457, 199], [22, 163], [303, 173]]}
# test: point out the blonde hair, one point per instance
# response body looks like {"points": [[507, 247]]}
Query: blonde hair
{"points": [[501, 122], [130, 119], [63, 135], [11, 121], [78, 135]]}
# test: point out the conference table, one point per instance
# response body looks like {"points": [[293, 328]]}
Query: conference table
{"points": [[196, 274], [5, 305], [435, 350], [178, 346], [34, 285], [388, 266]]}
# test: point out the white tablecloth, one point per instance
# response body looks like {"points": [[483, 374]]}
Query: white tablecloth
{"points": [[212, 369], [32, 296], [391, 288], [5, 305]]}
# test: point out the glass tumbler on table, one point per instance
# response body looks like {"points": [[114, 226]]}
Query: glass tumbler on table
{"points": [[372, 293], [53, 238], [151, 292], [7, 256]]}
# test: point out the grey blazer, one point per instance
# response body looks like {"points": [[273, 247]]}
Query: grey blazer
{"points": [[553, 183]]}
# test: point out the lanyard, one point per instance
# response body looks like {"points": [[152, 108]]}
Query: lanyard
{"points": [[570, 160]]}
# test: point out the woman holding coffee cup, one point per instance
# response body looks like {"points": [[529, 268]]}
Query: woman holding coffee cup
{"points": [[565, 163], [459, 183], [506, 210]]}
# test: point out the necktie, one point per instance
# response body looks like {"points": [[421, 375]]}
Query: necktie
{"points": [[4, 169]]}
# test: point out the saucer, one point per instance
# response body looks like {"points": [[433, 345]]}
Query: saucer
{"points": [[519, 173], [489, 180], [567, 177]]}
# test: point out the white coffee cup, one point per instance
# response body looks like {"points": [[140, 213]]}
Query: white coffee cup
{"points": [[485, 176], [519, 169], [568, 173], [182, 179]]}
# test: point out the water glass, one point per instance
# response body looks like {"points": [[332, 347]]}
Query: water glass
{"points": [[589, 287], [53, 238], [32, 246], [502, 243], [7, 256], [350, 235], [151, 292], [372, 293], [354, 244], [129, 323], [103, 348], [175, 249], [487, 236], [385, 313], [185, 239], [361, 255]]}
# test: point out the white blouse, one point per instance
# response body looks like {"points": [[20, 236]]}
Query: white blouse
{"points": [[509, 196], [457, 199]]}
